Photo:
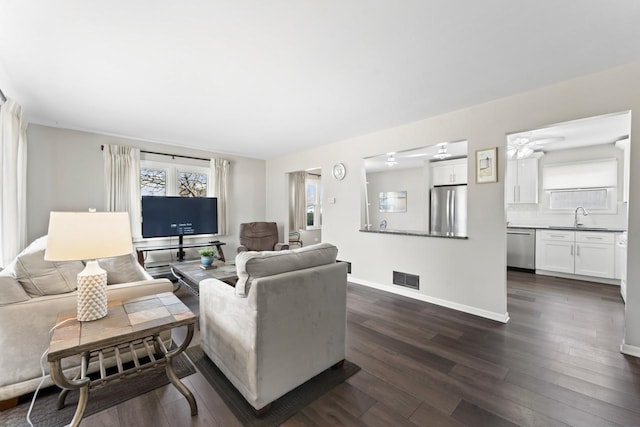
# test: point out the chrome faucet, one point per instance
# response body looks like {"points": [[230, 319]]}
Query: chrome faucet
{"points": [[575, 217]]}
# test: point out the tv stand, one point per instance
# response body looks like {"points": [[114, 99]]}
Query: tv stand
{"points": [[180, 250], [180, 247]]}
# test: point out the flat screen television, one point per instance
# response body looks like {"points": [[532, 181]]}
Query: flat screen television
{"points": [[166, 216]]}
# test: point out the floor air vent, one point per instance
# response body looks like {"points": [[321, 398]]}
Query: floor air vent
{"points": [[407, 280]]}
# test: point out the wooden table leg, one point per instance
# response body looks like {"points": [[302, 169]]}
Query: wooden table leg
{"points": [[82, 405], [171, 374], [55, 370]]}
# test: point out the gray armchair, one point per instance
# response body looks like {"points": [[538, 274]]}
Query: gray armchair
{"points": [[260, 236], [282, 324]]}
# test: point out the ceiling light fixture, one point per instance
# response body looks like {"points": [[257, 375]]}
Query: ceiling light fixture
{"points": [[442, 152], [391, 160]]}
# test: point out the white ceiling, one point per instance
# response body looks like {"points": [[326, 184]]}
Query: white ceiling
{"points": [[598, 130], [266, 78], [414, 158]]}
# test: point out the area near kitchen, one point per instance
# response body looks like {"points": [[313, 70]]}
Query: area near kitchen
{"points": [[567, 193]]}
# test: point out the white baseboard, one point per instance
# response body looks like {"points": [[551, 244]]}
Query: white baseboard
{"points": [[498, 317], [614, 282], [630, 350]]}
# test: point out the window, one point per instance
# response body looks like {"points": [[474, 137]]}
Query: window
{"points": [[192, 184], [163, 176], [314, 206], [153, 182], [592, 199], [168, 179]]}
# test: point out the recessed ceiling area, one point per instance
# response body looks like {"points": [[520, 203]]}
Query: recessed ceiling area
{"points": [[414, 158], [605, 129], [267, 78]]}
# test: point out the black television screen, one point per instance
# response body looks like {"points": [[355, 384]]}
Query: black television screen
{"points": [[179, 216]]}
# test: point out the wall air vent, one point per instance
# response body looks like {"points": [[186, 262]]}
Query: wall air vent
{"points": [[407, 280]]}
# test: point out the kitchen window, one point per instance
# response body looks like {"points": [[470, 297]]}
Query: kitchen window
{"points": [[597, 199], [592, 199], [591, 184]]}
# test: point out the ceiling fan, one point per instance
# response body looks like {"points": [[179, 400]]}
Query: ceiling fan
{"points": [[523, 145]]}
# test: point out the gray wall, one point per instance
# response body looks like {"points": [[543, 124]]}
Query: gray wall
{"points": [[465, 274], [65, 172], [410, 180]]}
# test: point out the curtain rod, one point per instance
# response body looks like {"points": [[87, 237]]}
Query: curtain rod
{"points": [[168, 155]]}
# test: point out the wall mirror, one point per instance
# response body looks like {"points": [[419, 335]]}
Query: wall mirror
{"points": [[396, 186]]}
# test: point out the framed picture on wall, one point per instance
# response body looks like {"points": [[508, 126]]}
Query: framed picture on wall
{"points": [[393, 201], [487, 165]]}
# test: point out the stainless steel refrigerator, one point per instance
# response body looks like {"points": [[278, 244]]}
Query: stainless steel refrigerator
{"points": [[449, 210]]}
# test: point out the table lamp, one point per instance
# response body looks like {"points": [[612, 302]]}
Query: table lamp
{"points": [[75, 236]]}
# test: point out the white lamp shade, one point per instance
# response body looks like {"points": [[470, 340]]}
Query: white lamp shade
{"points": [[87, 235]]}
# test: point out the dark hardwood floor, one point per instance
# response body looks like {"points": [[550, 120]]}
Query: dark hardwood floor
{"points": [[556, 363]]}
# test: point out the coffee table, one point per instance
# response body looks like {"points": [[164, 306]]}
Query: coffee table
{"points": [[190, 273], [131, 325]]}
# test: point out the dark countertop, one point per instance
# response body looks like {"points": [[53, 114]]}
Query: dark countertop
{"points": [[418, 233], [567, 228]]}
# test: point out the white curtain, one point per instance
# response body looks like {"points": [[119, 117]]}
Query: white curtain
{"points": [[218, 187], [122, 181], [13, 184], [299, 200]]}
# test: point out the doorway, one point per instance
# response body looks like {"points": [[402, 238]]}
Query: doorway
{"points": [[305, 207], [567, 190]]}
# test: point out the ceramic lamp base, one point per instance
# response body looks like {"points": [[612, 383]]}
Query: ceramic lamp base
{"points": [[92, 293]]}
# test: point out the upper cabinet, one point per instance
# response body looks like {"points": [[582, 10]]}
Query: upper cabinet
{"points": [[449, 172], [522, 181]]}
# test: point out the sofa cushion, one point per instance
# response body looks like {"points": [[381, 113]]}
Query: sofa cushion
{"points": [[252, 265], [39, 277], [11, 290], [121, 269]]}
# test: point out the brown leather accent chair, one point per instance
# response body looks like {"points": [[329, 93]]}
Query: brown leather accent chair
{"points": [[260, 236]]}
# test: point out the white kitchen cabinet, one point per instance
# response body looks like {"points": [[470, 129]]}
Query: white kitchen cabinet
{"points": [[576, 252], [449, 172], [555, 251], [595, 259], [595, 254], [621, 256], [522, 181]]}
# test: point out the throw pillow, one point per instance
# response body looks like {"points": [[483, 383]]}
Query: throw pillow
{"points": [[39, 277], [121, 269]]}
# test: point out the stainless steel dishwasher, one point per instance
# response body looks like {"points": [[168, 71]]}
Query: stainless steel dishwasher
{"points": [[521, 248]]}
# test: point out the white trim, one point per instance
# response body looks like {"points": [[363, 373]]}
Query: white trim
{"points": [[315, 180], [498, 317], [603, 280], [630, 350]]}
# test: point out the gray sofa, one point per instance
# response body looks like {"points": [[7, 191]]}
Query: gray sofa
{"points": [[32, 294], [282, 324]]}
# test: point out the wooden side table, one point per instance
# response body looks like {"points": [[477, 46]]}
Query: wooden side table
{"points": [[131, 325], [190, 274]]}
